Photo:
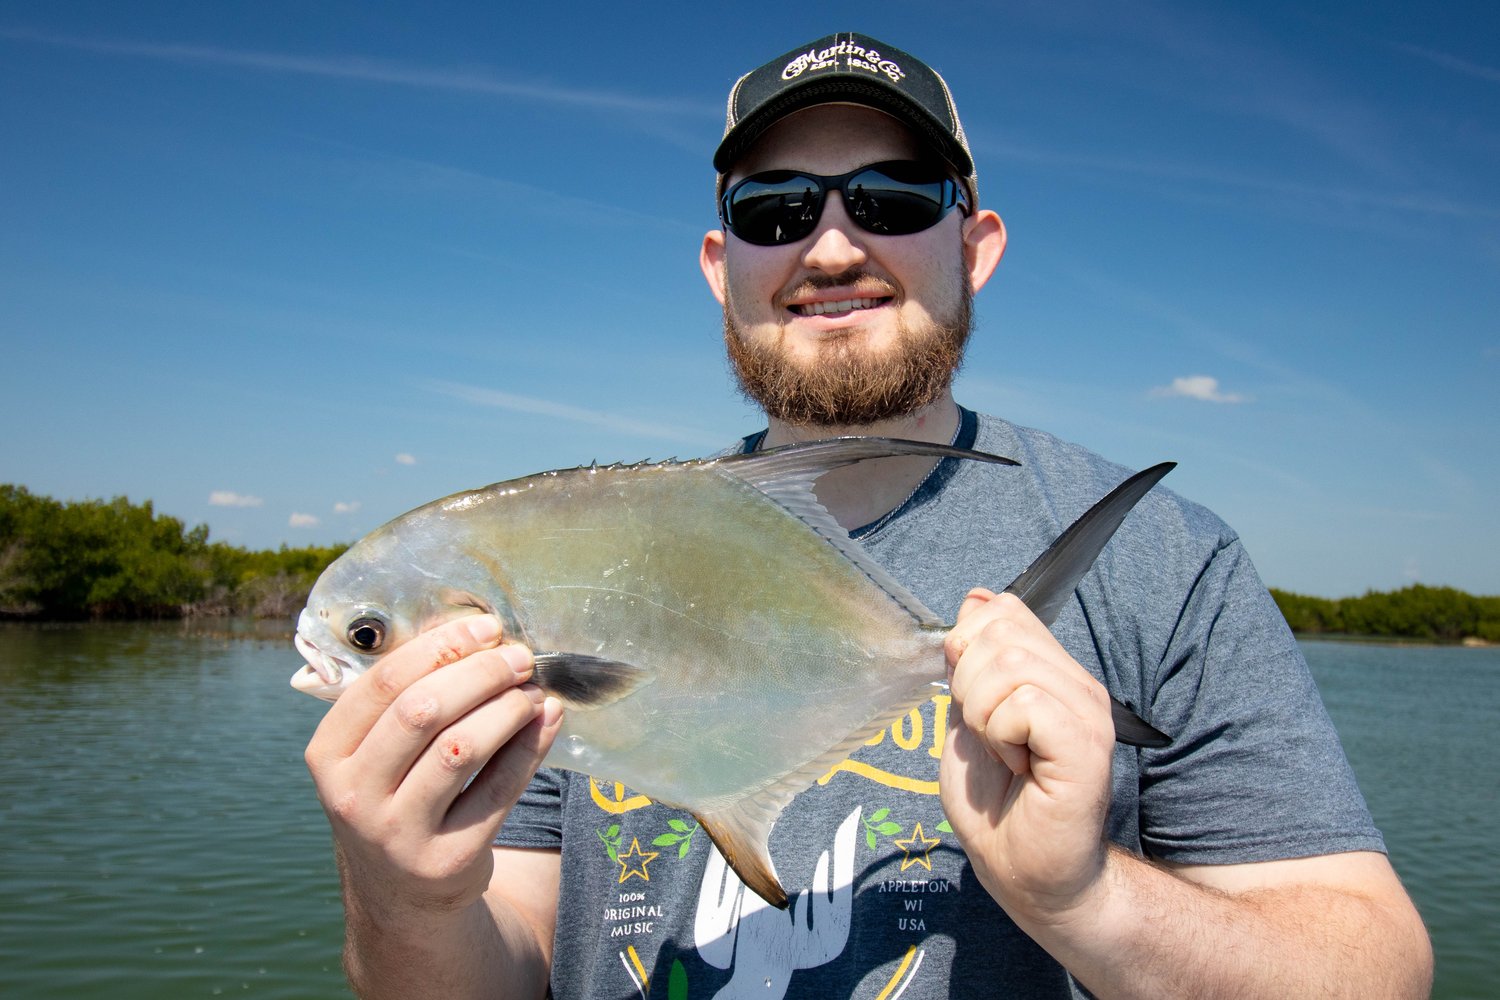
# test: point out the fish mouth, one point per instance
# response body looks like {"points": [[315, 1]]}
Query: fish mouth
{"points": [[322, 671]]}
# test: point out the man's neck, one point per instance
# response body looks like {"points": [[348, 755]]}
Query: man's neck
{"points": [[859, 494]]}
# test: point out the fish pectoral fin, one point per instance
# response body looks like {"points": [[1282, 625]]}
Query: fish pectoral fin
{"points": [[1133, 731], [583, 681], [742, 834]]}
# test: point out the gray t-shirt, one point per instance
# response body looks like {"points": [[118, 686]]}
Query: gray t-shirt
{"points": [[1172, 618]]}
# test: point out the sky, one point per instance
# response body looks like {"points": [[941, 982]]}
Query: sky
{"points": [[289, 270]]}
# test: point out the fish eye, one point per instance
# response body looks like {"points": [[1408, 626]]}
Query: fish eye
{"points": [[366, 633]]}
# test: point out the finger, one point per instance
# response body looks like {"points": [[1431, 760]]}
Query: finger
{"points": [[442, 770], [431, 705], [489, 798], [351, 718], [1058, 743], [1007, 653], [974, 600], [980, 610]]}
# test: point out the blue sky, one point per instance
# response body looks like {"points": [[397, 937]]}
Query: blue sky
{"points": [[289, 269]]}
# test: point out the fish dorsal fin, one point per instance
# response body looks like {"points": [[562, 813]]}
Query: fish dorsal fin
{"points": [[787, 474], [579, 680]]}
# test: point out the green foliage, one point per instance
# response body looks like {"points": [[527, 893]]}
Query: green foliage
{"points": [[1439, 614], [115, 559]]}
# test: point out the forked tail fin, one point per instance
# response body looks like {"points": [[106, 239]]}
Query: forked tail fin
{"points": [[1047, 583]]}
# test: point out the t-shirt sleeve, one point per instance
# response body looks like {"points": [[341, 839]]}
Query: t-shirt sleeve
{"points": [[1256, 771], [536, 819]]}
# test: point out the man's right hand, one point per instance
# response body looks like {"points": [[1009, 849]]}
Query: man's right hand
{"points": [[392, 762]]}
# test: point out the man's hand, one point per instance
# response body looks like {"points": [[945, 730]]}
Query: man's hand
{"points": [[1025, 783], [392, 758], [1025, 777]]}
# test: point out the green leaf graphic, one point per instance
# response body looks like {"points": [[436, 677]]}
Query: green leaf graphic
{"points": [[678, 825], [677, 984], [878, 815], [870, 838], [943, 827], [682, 851], [887, 829], [611, 840], [665, 840]]}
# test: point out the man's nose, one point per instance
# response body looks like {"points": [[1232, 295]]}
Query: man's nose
{"points": [[837, 244]]}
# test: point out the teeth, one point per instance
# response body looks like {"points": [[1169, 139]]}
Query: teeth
{"points": [[841, 306]]}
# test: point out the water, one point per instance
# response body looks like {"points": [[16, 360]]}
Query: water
{"points": [[161, 837], [1420, 726]]}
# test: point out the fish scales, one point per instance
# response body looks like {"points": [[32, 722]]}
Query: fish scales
{"points": [[740, 614], [717, 640]]}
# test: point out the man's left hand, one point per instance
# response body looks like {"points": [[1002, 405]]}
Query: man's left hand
{"points": [[1025, 775]]}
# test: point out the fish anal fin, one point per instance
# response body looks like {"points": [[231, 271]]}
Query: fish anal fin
{"points": [[579, 680], [742, 833]]}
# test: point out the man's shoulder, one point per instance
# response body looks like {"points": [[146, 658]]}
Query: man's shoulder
{"points": [[1064, 478]]}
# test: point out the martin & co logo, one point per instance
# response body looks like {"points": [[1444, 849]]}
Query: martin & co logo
{"points": [[858, 57]]}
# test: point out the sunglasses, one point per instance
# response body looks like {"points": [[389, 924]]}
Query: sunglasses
{"points": [[896, 198]]}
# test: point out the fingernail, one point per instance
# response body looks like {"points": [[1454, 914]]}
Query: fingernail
{"points": [[518, 658], [484, 628], [551, 711]]}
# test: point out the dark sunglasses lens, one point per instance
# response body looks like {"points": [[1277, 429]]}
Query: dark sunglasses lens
{"points": [[775, 207], [896, 199]]}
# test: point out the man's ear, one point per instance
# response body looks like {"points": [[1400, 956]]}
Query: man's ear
{"points": [[711, 261], [984, 245]]}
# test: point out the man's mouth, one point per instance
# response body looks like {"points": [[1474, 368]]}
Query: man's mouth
{"points": [[837, 306]]}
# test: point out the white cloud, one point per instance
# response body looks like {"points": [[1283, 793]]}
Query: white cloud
{"points": [[1453, 63], [1204, 387], [406, 458], [382, 72], [576, 414], [229, 498], [346, 508], [302, 521]]}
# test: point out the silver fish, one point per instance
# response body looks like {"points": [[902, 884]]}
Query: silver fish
{"points": [[718, 642]]}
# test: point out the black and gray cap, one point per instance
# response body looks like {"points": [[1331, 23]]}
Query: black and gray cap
{"points": [[847, 68]]}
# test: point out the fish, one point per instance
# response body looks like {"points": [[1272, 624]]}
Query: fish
{"points": [[717, 640]]}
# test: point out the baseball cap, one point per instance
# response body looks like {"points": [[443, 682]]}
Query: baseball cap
{"points": [[847, 68]]}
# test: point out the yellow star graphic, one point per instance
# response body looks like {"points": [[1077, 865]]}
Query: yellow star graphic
{"points": [[646, 857], [910, 845]]}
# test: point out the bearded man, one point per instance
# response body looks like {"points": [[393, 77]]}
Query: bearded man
{"points": [[994, 842]]}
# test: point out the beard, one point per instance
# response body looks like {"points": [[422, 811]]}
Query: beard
{"points": [[845, 385]]}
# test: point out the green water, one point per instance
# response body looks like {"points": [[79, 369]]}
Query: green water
{"points": [[161, 838]]}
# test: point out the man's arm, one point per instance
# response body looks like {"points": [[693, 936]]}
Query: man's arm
{"points": [[499, 946], [1025, 784], [1333, 926], [431, 908]]}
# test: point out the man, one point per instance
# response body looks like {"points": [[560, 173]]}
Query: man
{"points": [[994, 841]]}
